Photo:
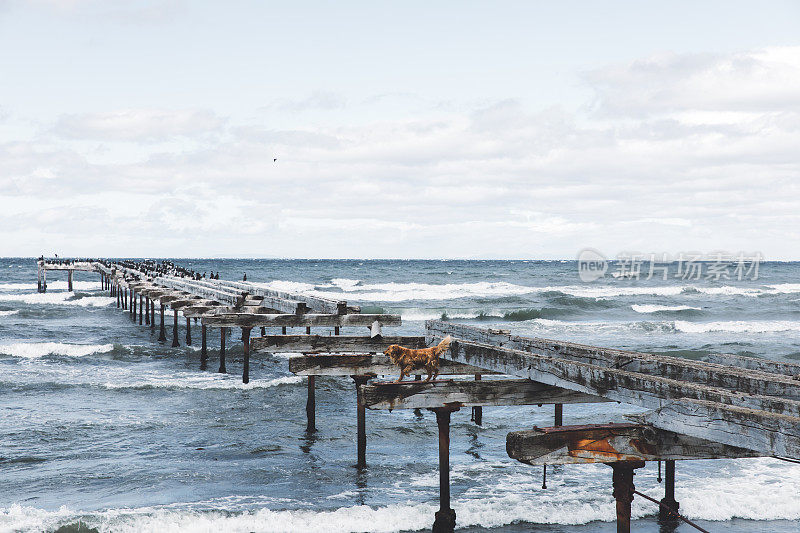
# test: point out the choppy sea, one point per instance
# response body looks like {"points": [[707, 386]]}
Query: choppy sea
{"points": [[103, 427]]}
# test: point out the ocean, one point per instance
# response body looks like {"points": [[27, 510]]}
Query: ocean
{"points": [[103, 427]]}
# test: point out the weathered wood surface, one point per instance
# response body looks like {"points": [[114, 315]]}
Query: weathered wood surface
{"points": [[619, 385], [332, 344], [314, 303], [290, 320], [686, 370], [462, 393], [609, 443], [629, 387], [785, 368], [768, 433], [354, 365], [82, 266]]}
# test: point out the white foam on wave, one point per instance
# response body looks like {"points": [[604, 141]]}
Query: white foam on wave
{"points": [[753, 489], [33, 350], [645, 308], [398, 292], [207, 381], [345, 284], [58, 298], [9, 313], [737, 326], [785, 288], [55, 284]]}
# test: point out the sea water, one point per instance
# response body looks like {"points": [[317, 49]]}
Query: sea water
{"points": [[102, 426]]}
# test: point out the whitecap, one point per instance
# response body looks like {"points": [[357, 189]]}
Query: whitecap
{"points": [[645, 308], [33, 350], [738, 326]]}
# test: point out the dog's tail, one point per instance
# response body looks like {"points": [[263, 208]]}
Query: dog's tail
{"points": [[443, 346]]}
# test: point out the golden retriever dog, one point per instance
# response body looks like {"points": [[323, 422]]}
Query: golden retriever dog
{"points": [[423, 358]]}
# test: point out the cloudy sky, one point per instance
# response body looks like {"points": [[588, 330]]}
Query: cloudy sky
{"points": [[401, 129]]}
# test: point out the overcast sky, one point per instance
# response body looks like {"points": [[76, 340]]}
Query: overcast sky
{"points": [[404, 129]]}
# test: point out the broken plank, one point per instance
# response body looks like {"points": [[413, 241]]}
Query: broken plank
{"points": [[765, 432], [332, 343], [785, 368], [722, 376], [463, 393], [355, 365], [606, 443], [307, 320]]}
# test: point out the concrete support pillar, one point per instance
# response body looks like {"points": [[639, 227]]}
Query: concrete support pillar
{"points": [[141, 301], [147, 311], [559, 415], [188, 331], [152, 314], [116, 290]]}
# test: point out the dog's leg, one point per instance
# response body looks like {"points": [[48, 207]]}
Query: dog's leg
{"points": [[402, 375]]}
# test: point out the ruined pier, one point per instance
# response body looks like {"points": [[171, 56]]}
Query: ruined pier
{"points": [[728, 406]]}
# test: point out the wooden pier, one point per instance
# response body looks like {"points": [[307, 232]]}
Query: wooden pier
{"points": [[726, 407]]}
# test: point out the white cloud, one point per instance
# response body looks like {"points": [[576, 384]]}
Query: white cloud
{"points": [[688, 152], [138, 125]]}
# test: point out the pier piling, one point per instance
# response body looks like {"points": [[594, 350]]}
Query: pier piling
{"points": [[311, 406], [622, 480], [188, 331], [222, 369], [445, 521], [246, 348], [69, 280], [147, 310], [361, 436], [668, 511], [477, 411], [203, 348], [162, 334], [141, 307], [175, 343]]}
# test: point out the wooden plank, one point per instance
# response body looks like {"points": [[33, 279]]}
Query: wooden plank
{"points": [[332, 343], [312, 320], [756, 363], [721, 376], [609, 443], [199, 311], [769, 433], [354, 365], [619, 385], [462, 393], [315, 303]]}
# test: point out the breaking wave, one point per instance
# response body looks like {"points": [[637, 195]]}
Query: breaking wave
{"points": [[356, 290], [58, 298], [9, 313], [35, 350], [663, 308]]}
